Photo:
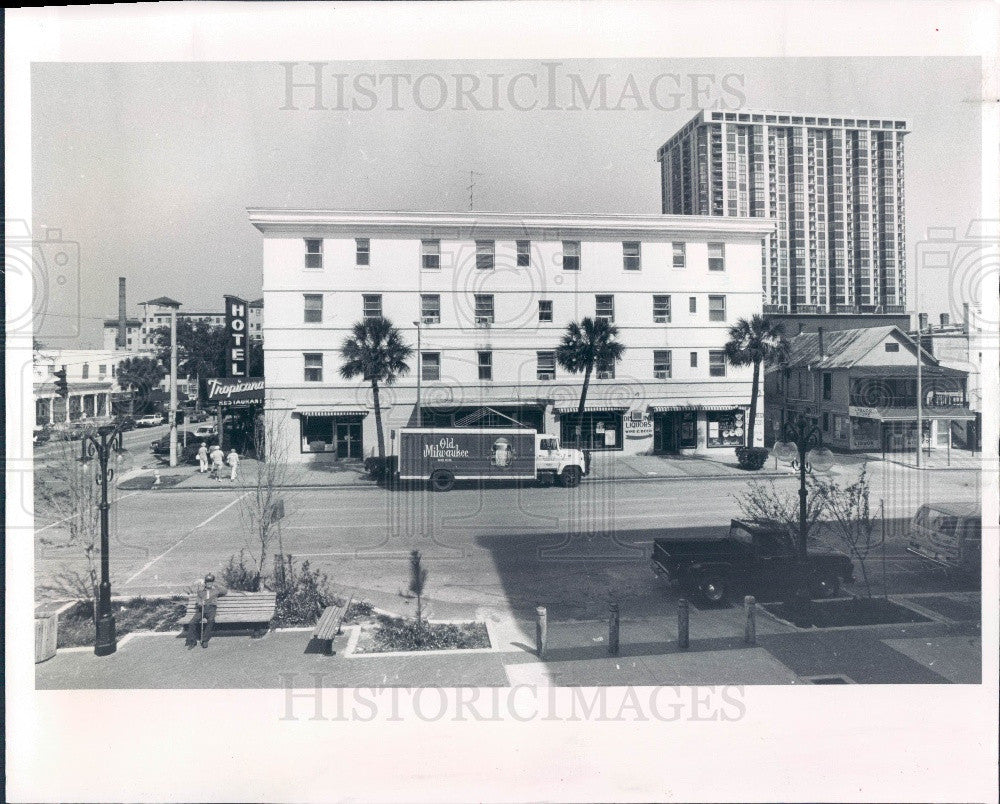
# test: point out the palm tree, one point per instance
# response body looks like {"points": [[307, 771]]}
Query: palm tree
{"points": [[752, 343], [585, 344], [376, 352]]}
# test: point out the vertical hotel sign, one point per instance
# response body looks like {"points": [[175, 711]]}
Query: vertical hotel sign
{"points": [[236, 330]]}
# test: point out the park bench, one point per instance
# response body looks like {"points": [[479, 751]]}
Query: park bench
{"points": [[328, 625], [253, 609]]}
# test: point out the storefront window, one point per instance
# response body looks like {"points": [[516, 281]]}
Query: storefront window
{"points": [[726, 428], [598, 430], [317, 433]]}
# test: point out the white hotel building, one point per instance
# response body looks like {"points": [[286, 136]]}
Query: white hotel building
{"points": [[487, 297]]}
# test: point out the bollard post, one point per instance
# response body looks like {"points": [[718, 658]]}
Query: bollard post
{"points": [[541, 631], [683, 620], [613, 630], [750, 631]]}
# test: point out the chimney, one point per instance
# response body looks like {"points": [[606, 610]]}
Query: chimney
{"points": [[944, 320], [122, 323], [921, 322], [822, 344], [965, 317]]}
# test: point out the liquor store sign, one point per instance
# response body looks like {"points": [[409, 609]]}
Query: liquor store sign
{"points": [[229, 391]]}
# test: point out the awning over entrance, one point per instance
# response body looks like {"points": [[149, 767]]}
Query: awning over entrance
{"points": [[671, 408], [910, 414], [589, 407], [330, 411]]}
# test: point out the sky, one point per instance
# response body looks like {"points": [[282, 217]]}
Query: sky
{"points": [[146, 170]]}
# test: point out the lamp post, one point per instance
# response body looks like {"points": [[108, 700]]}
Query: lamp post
{"points": [[420, 412], [99, 444]]}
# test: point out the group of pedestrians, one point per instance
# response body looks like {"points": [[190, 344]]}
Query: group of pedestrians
{"points": [[218, 460]]}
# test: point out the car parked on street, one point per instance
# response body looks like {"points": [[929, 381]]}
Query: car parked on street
{"points": [[206, 431], [755, 558], [948, 535], [186, 453], [41, 434], [150, 420], [195, 416]]}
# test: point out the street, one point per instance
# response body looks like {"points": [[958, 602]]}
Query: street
{"points": [[494, 549]]}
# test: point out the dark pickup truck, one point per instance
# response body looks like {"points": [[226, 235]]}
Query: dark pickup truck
{"points": [[754, 558]]}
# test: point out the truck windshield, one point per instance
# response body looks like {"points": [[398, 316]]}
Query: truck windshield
{"points": [[549, 444]]}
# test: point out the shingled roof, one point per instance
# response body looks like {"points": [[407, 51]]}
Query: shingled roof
{"points": [[843, 348]]}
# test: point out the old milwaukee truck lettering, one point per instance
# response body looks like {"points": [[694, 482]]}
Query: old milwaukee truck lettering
{"points": [[445, 448]]}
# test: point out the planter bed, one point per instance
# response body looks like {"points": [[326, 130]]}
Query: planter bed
{"points": [[845, 612], [393, 634], [77, 628]]}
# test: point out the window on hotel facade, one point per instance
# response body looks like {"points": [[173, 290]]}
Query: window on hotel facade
{"points": [[716, 363], [605, 307], [86, 371], [102, 370], [362, 251], [430, 254], [661, 309], [523, 253], [680, 255], [692, 305], [314, 366], [662, 364], [632, 254], [694, 360], [485, 365], [313, 308], [605, 369], [546, 365], [314, 253], [485, 254], [545, 311], [430, 308], [571, 255], [716, 308], [484, 309], [372, 305], [430, 365], [716, 256]]}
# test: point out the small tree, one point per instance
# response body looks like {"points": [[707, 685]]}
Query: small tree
{"points": [[141, 375], [585, 344], [418, 578], [764, 502], [759, 341], [375, 352], [854, 525]]}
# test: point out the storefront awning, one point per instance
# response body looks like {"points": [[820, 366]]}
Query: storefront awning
{"points": [[330, 412], [671, 408], [910, 414], [595, 407]]}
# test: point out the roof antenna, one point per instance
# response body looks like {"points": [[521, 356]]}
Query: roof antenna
{"points": [[472, 187]]}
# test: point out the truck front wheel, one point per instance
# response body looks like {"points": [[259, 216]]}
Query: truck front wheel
{"points": [[714, 587], [442, 481], [570, 477]]}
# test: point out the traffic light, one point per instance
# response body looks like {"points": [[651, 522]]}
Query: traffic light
{"points": [[62, 387], [179, 417]]}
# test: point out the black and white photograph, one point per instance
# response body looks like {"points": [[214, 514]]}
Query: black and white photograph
{"points": [[502, 402]]}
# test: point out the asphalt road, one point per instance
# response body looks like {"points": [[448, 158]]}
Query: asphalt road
{"points": [[486, 549]]}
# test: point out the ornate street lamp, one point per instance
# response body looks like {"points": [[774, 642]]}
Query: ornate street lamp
{"points": [[100, 443]]}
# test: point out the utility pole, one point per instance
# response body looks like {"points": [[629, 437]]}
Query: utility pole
{"points": [[920, 390], [173, 388]]}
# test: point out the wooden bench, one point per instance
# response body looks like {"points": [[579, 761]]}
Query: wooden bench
{"points": [[238, 608], [328, 625]]}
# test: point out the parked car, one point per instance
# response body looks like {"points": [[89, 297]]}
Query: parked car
{"points": [[185, 453], [41, 434], [755, 558], [205, 431], [195, 416], [948, 535], [126, 423], [150, 420]]}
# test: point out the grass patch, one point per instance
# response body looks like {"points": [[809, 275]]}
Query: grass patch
{"points": [[392, 634], [856, 611], [145, 482], [77, 628]]}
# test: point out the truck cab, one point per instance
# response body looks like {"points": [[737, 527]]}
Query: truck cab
{"points": [[553, 464]]}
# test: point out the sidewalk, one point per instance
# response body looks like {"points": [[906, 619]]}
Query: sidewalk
{"points": [[937, 459], [935, 652]]}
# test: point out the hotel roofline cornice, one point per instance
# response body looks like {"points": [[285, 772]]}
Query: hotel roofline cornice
{"points": [[452, 225]]}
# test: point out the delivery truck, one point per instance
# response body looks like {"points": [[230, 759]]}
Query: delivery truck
{"points": [[442, 456]]}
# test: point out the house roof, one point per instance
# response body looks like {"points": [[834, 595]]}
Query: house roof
{"points": [[257, 302], [843, 348], [164, 301]]}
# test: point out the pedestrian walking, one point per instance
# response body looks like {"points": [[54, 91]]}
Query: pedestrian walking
{"points": [[233, 459], [204, 616], [218, 458], [202, 459]]}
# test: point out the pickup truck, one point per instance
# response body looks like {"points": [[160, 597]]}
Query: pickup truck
{"points": [[754, 557], [151, 420]]}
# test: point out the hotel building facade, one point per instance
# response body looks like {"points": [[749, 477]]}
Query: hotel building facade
{"points": [[834, 186], [484, 299]]}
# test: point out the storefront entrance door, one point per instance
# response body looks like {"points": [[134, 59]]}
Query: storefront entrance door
{"points": [[348, 436]]}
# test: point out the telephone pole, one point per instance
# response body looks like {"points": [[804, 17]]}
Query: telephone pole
{"points": [[173, 388]]}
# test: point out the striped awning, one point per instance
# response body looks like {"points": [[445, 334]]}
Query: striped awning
{"points": [[595, 407], [671, 408], [336, 412]]}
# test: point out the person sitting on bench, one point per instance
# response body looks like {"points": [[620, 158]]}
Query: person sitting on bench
{"points": [[208, 600]]}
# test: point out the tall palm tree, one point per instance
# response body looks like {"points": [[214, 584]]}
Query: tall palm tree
{"points": [[375, 351], [585, 344], [753, 343]]}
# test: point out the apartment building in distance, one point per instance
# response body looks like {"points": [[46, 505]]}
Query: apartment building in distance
{"points": [[834, 185], [484, 299]]}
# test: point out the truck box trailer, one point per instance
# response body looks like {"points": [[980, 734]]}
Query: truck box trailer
{"points": [[442, 456]]}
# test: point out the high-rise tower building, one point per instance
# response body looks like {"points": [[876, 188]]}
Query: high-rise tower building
{"points": [[833, 185]]}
